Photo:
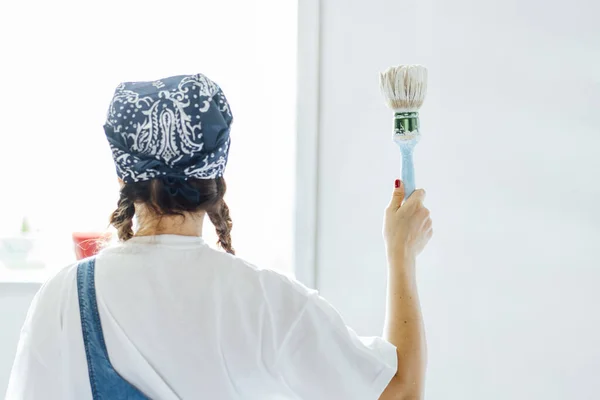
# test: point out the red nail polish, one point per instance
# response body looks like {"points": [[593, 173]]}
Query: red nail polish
{"points": [[397, 183]]}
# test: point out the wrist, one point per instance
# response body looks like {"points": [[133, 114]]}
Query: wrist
{"points": [[402, 262], [400, 258]]}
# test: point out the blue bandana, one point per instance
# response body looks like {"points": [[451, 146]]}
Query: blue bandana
{"points": [[176, 127]]}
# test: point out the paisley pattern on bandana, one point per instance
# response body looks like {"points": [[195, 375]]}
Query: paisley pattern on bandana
{"points": [[175, 127]]}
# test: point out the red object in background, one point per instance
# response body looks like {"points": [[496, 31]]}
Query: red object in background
{"points": [[88, 244]]}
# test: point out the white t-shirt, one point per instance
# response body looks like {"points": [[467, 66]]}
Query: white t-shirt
{"points": [[184, 321]]}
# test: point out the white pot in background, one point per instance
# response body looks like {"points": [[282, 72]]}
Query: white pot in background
{"points": [[15, 252]]}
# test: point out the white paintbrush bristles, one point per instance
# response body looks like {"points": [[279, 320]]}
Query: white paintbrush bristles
{"points": [[404, 87]]}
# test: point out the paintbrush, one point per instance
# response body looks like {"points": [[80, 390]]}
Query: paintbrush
{"points": [[404, 89]]}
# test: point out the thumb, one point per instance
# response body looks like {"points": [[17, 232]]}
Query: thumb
{"points": [[398, 195]]}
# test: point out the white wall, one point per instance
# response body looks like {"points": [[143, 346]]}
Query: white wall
{"points": [[14, 302], [509, 160]]}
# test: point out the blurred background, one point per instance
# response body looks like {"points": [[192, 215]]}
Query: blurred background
{"points": [[508, 157]]}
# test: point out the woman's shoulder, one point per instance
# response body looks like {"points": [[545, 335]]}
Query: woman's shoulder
{"points": [[59, 280], [268, 279], [48, 303]]}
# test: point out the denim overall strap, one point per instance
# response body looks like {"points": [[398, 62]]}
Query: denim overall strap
{"points": [[106, 383]]}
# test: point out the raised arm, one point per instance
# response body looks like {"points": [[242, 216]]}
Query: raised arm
{"points": [[407, 229]]}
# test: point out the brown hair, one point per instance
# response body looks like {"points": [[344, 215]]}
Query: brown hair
{"points": [[167, 197]]}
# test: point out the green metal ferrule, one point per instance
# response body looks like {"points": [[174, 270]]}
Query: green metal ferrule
{"points": [[405, 122]]}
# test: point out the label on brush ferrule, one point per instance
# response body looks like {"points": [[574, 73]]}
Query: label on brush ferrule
{"points": [[405, 122]]}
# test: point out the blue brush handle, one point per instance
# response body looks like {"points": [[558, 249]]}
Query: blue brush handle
{"points": [[407, 148]]}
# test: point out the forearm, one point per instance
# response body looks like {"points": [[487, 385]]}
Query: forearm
{"points": [[404, 326]]}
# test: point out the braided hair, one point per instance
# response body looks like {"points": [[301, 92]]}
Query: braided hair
{"points": [[173, 197]]}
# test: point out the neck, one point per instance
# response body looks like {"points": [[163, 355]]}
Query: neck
{"points": [[150, 224]]}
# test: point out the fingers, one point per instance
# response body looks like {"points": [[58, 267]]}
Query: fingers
{"points": [[428, 224], [397, 196], [416, 199], [423, 213]]}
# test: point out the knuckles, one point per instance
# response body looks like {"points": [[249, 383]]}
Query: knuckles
{"points": [[424, 213]]}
